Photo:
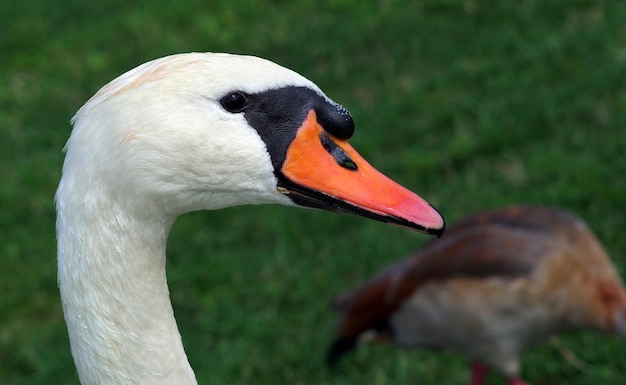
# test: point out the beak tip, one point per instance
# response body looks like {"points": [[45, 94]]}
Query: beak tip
{"points": [[438, 231]]}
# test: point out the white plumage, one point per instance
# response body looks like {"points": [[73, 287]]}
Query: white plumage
{"points": [[151, 145]]}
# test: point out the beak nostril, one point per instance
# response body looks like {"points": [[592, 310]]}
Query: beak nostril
{"points": [[349, 164], [341, 157]]}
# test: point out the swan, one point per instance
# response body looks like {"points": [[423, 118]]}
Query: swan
{"points": [[188, 132], [500, 281]]}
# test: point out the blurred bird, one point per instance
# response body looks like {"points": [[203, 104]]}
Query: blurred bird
{"points": [[495, 284]]}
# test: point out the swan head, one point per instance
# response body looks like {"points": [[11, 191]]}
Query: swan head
{"points": [[204, 131]]}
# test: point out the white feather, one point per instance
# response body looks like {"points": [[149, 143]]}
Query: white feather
{"points": [[148, 147]]}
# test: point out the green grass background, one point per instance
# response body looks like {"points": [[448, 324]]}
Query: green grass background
{"points": [[472, 104]]}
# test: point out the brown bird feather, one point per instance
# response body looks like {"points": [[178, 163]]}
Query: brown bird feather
{"points": [[495, 283]]}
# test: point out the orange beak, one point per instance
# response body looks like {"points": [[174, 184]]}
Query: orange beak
{"points": [[324, 172]]}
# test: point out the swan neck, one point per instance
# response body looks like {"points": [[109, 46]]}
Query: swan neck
{"points": [[114, 292]]}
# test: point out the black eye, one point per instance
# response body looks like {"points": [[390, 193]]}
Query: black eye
{"points": [[235, 102]]}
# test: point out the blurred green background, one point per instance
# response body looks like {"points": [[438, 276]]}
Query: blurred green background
{"points": [[471, 104]]}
